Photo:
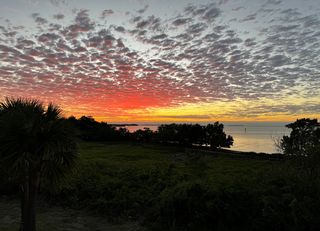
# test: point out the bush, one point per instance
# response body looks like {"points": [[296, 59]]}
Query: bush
{"points": [[305, 135], [283, 199], [114, 192], [199, 206]]}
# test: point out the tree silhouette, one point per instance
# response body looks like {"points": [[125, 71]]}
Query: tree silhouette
{"points": [[144, 135], [195, 134], [35, 143], [216, 137], [305, 135]]}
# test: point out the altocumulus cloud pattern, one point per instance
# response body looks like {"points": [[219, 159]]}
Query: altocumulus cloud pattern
{"points": [[133, 57]]}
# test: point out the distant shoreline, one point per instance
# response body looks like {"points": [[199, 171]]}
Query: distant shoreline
{"points": [[231, 124], [123, 125], [256, 137]]}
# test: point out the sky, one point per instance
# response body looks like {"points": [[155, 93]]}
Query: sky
{"points": [[164, 60]]}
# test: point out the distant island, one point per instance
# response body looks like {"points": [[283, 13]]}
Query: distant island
{"points": [[123, 125]]}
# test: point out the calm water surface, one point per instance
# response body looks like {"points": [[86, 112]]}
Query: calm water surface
{"points": [[248, 136]]}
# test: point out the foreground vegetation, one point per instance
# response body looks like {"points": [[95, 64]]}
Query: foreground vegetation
{"points": [[164, 180], [36, 143], [174, 188], [57, 218]]}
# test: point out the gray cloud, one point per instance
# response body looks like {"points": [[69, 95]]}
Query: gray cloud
{"points": [[58, 16], [144, 9], [181, 21], [107, 13]]}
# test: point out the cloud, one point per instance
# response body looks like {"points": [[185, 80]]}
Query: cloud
{"points": [[83, 19], [279, 60], [211, 13], [143, 10], [181, 21], [184, 116], [148, 61], [107, 13], [119, 29], [82, 24], [249, 17], [58, 2], [39, 20], [48, 38], [58, 16], [274, 2], [238, 8]]}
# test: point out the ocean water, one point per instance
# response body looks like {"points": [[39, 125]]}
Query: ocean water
{"points": [[248, 136], [256, 137]]}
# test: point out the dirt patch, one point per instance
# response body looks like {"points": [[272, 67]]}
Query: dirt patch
{"points": [[58, 219]]}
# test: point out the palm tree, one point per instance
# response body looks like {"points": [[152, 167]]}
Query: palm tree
{"points": [[36, 143]]}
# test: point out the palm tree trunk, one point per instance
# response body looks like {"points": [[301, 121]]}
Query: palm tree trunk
{"points": [[33, 191], [24, 203], [29, 190]]}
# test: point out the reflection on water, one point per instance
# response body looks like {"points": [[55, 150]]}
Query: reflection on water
{"points": [[248, 136], [257, 137]]}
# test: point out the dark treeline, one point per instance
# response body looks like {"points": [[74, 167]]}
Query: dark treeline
{"points": [[211, 135], [89, 129]]}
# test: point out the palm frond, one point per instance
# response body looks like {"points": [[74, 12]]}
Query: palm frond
{"points": [[53, 112], [31, 133]]}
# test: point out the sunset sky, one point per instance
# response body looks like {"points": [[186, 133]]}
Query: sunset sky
{"points": [[164, 60]]}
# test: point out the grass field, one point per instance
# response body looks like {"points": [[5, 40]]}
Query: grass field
{"points": [[223, 167], [124, 182], [134, 163]]}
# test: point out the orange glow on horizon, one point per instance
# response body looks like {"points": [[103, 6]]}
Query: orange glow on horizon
{"points": [[134, 107], [220, 111]]}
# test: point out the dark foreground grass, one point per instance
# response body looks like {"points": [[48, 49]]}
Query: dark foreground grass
{"points": [[57, 218], [144, 157], [140, 165], [174, 188], [126, 181]]}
